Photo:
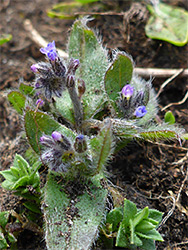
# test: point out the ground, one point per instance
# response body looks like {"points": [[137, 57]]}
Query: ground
{"points": [[152, 174]]}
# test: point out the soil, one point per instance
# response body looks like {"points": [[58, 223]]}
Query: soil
{"points": [[153, 174]]}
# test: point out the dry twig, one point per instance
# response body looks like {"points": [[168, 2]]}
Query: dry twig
{"points": [[176, 103], [168, 81]]}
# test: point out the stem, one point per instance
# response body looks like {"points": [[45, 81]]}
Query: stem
{"points": [[78, 111]]}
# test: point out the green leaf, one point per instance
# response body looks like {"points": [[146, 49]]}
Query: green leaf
{"points": [[22, 182], [143, 214], [65, 107], [15, 171], [114, 217], [37, 123], [5, 38], [22, 165], [122, 238], [160, 132], [102, 147], [26, 89], [73, 222], [4, 216], [20, 175], [152, 234], [7, 184], [85, 46], [144, 226], [129, 212], [169, 117], [118, 75], [86, 1], [137, 241], [168, 23], [72, 10], [34, 177], [65, 10], [34, 207], [155, 215], [17, 100], [3, 242], [7, 174], [148, 244], [11, 238]]}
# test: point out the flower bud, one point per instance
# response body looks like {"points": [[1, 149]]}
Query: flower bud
{"points": [[56, 136], [34, 68], [81, 87], [127, 91], [40, 102], [80, 144], [70, 81], [76, 64]]}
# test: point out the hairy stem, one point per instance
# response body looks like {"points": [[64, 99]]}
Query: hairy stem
{"points": [[78, 110]]}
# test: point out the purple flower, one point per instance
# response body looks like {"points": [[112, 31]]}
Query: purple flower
{"points": [[50, 51], [127, 91], [140, 111], [40, 102]]}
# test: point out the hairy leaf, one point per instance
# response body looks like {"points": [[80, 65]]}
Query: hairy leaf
{"points": [[129, 212], [73, 223], [26, 89], [85, 46], [37, 123], [102, 147], [17, 100], [118, 75]]}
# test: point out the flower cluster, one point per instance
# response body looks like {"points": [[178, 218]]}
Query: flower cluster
{"points": [[132, 103], [56, 147], [53, 77]]}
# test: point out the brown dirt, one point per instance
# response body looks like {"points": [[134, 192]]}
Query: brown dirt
{"points": [[152, 174]]}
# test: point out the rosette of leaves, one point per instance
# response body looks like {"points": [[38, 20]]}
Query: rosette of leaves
{"points": [[5, 236], [134, 227], [22, 178]]}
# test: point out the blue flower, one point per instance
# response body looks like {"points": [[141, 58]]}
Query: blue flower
{"points": [[127, 91], [50, 51], [140, 111]]}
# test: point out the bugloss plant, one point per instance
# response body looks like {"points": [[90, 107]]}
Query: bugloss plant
{"points": [[66, 125]]}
